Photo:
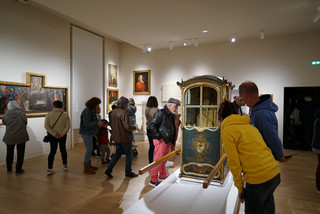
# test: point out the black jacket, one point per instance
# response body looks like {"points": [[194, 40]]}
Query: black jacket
{"points": [[162, 125]]}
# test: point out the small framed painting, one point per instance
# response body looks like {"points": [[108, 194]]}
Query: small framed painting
{"points": [[112, 98], [112, 75], [141, 82]]}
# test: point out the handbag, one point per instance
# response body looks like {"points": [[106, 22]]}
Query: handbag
{"points": [[49, 137]]}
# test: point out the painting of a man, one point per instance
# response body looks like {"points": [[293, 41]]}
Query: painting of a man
{"points": [[140, 86], [141, 82]]}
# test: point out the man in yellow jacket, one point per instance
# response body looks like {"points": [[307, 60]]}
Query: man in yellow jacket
{"points": [[256, 173]]}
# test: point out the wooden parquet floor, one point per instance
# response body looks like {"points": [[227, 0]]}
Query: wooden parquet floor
{"points": [[75, 193]]}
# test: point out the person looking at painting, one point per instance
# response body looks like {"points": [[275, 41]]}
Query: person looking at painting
{"points": [[163, 130], [140, 86], [263, 117], [88, 129], [16, 134], [250, 160], [57, 124], [152, 107], [121, 133]]}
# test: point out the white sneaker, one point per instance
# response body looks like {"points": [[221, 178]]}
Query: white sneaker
{"points": [[169, 163], [50, 172], [65, 168]]}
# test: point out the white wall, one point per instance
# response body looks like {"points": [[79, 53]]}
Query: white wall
{"points": [[87, 70], [33, 42], [36, 42], [273, 63]]}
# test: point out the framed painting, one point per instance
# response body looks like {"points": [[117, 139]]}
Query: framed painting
{"points": [[112, 75], [35, 98], [112, 98], [141, 82]]}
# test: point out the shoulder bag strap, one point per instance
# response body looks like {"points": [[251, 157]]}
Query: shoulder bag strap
{"points": [[57, 120]]}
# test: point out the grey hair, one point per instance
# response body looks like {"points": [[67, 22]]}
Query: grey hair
{"points": [[14, 105], [122, 102]]}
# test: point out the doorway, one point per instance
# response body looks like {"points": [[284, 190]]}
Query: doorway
{"points": [[300, 104]]}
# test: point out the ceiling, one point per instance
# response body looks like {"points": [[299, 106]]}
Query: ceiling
{"points": [[157, 22]]}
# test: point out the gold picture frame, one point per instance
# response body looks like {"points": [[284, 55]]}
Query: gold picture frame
{"points": [[112, 97], [113, 75], [141, 82], [34, 96]]}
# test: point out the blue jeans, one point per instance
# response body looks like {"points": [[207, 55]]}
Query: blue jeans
{"points": [[87, 138], [151, 146], [121, 148], [259, 197]]}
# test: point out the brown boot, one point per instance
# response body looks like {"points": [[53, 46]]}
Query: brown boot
{"points": [[93, 167], [87, 169]]}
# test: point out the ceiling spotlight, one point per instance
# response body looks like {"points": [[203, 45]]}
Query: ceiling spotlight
{"points": [[261, 35], [233, 39], [204, 31], [171, 45], [23, 1], [317, 16], [196, 44], [147, 49], [187, 43]]}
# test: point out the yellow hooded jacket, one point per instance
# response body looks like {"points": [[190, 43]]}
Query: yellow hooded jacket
{"points": [[247, 152]]}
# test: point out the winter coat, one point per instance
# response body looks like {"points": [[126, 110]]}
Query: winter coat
{"points": [[162, 126], [131, 111], [263, 117], [61, 126], [316, 131], [89, 122], [16, 127], [121, 129]]}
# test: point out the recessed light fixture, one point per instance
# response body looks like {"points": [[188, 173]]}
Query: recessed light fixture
{"points": [[233, 39], [204, 31], [147, 49]]}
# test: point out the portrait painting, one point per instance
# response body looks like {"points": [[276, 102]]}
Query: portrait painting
{"points": [[112, 75], [34, 97], [112, 98], [141, 82]]}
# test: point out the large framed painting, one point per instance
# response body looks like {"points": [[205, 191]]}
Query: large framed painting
{"points": [[34, 97], [141, 82], [112, 98], [112, 75]]}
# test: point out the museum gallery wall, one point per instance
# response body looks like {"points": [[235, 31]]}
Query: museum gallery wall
{"points": [[42, 45]]}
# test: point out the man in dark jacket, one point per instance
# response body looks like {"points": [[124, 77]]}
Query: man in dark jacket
{"points": [[163, 131], [121, 131], [263, 117]]}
